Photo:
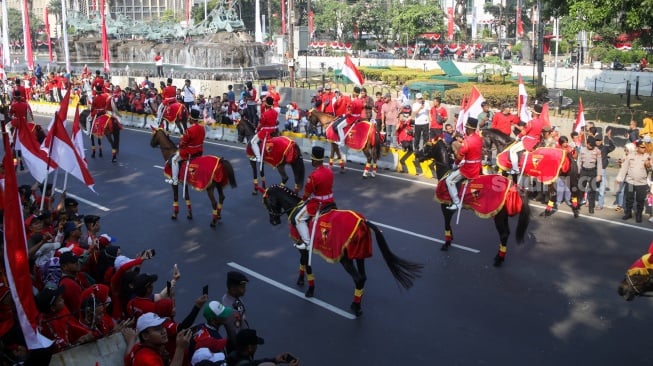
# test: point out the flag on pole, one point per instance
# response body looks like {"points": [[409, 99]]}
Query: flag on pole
{"points": [[105, 39], [27, 38], [35, 158], [77, 136], [545, 114], [351, 72], [450, 23], [520, 24], [580, 118], [522, 102], [16, 260], [63, 151], [472, 109], [460, 123], [6, 56], [47, 33]]}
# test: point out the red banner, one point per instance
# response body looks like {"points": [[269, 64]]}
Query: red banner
{"points": [[47, 33], [450, 23], [29, 57], [283, 16], [543, 164], [105, 40], [311, 23], [520, 24], [485, 195]]}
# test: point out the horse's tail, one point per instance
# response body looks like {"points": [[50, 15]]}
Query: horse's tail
{"points": [[524, 219], [377, 145], [83, 118], [402, 270], [229, 169], [298, 167]]}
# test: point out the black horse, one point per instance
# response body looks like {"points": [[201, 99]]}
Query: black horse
{"points": [[494, 138], [113, 137], [280, 200], [440, 152]]}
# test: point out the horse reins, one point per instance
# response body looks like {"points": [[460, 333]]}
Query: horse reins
{"points": [[637, 291]]}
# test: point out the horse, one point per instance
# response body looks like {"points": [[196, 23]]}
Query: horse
{"points": [[176, 113], [508, 201], [349, 244], [638, 279], [361, 136], [278, 152], [494, 138], [206, 172], [108, 127]]}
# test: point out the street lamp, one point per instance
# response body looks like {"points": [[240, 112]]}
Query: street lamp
{"points": [[406, 53], [322, 67]]}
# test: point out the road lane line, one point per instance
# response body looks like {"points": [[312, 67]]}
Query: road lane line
{"points": [[96, 205], [475, 251], [292, 291]]}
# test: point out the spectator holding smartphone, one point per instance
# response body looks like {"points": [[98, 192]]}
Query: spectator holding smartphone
{"points": [[247, 342]]}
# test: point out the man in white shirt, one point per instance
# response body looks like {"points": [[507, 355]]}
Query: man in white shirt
{"points": [[189, 94], [421, 112]]}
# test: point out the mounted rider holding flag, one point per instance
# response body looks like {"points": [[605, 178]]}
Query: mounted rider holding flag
{"points": [[191, 145], [529, 138], [266, 129]]}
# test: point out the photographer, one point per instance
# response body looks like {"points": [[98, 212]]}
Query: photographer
{"points": [[247, 342]]}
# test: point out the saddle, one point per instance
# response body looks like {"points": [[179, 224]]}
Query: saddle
{"points": [[323, 210]]}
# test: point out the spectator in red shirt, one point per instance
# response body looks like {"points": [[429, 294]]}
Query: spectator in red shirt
{"points": [[74, 281], [503, 121], [56, 322], [153, 337]]}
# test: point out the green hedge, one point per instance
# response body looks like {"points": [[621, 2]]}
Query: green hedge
{"points": [[396, 75], [495, 94]]}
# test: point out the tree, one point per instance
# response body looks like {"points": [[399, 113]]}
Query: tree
{"points": [[54, 8], [15, 22], [414, 19]]}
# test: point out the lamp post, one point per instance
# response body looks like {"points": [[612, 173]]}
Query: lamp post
{"points": [[406, 52], [322, 67]]}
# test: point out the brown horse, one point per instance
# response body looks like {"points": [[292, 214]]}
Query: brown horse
{"points": [[104, 125], [278, 152], [206, 172], [349, 243], [176, 113], [361, 136]]}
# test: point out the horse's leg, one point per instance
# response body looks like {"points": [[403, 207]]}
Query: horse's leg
{"points": [[282, 171], [99, 146], [304, 267], [359, 283], [368, 161], [335, 152], [114, 141], [448, 234], [252, 164], [503, 228], [550, 200], [92, 146], [214, 204], [372, 150], [189, 207], [175, 201]]}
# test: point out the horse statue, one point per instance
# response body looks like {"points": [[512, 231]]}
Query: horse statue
{"points": [[639, 277], [105, 125], [206, 172], [277, 152], [175, 113], [344, 237], [488, 196], [361, 136]]}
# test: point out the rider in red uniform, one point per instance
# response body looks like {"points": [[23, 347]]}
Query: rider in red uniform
{"points": [[353, 115], [469, 166], [191, 145], [266, 128], [318, 192], [327, 100], [529, 138], [98, 81], [168, 96]]}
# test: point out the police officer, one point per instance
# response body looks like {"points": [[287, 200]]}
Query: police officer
{"points": [[590, 165], [191, 145], [318, 192]]}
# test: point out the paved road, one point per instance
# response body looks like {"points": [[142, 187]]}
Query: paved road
{"points": [[554, 301]]}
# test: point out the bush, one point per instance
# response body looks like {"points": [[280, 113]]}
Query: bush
{"points": [[494, 94]]}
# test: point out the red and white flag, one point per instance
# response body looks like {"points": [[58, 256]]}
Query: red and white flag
{"points": [[16, 260], [77, 136], [33, 156], [460, 123], [580, 118], [105, 40], [545, 114], [472, 109], [352, 73], [27, 37], [522, 102], [63, 151]]}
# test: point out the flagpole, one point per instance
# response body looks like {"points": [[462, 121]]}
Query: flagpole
{"points": [[64, 26], [65, 181], [6, 56], [54, 182]]}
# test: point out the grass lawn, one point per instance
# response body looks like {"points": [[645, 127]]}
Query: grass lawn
{"points": [[610, 108]]}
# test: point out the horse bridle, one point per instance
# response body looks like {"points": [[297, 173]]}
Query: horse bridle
{"points": [[637, 291]]}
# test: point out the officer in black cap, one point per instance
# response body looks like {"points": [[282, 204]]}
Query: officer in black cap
{"points": [[469, 155]]}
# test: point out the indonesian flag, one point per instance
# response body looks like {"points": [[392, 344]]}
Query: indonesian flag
{"points": [[311, 23], [580, 118], [35, 158], [3, 75], [77, 137], [16, 261], [545, 114], [351, 72], [473, 109], [283, 17], [27, 37], [520, 24], [450, 23], [460, 123], [63, 151], [522, 102], [105, 39]]}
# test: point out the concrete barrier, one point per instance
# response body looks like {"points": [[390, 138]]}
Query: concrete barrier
{"points": [[107, 351]]}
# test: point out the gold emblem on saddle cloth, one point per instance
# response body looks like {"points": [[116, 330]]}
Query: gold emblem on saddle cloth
{"points": [[325, 228], [268, 147], [475, 190], [536, 159], [192, 169]]}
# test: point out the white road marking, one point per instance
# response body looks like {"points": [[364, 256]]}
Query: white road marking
{"points": [[475, 251], [80, 199], [292, 291]]}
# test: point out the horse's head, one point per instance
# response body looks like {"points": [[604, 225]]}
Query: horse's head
{"points": [[635, 285], [434, 150], [279, 200], [156, 136]]}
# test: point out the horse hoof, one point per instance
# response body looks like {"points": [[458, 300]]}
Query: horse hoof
{"points": [[300, 281], [189, 217], [173, 217], [356, 308], [576, 213], [498, 261], [114, 160], [310, 292], [212, 224], [445, 246], [254, 193]]}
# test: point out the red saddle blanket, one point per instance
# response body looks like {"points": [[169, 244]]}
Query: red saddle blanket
{"points": [[174, 112], [201, 171], [544, 164], [356, 137], [104, 124], [338, 230], [277, 151], [485, 195]]}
